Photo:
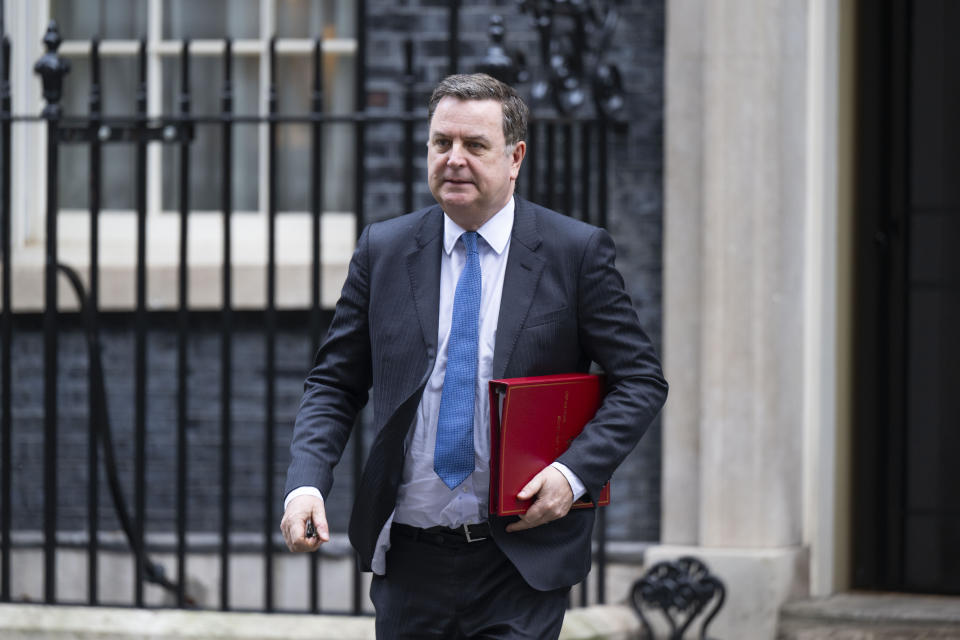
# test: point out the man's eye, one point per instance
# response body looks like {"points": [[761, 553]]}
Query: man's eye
{"points": [[441, 144]]}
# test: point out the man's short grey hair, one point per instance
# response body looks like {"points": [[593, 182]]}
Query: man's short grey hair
{"points": [[480, 86]]}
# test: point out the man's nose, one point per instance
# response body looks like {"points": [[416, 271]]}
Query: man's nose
{"points": [[456, 157]]}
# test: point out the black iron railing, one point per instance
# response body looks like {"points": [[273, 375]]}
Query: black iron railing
{"points": [[566, 169]]}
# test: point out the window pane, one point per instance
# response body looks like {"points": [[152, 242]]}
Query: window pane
{"points": [[117, 186], [295, 85], [118, 90], [87, 19], [119, 77], [206, 161], [211, 19], [316, 18], [206, 84]]}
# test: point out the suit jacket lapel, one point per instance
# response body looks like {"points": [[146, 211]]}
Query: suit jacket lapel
{"points": [[524, 267], [423, 267]]}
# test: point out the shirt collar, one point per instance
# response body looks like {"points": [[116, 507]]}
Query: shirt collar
{"points": [[495, 231]]}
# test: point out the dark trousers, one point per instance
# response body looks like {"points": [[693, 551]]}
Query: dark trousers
{"points": [[456, 592]]}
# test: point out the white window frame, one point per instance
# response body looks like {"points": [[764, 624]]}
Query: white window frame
{"points": [[26, 24]]}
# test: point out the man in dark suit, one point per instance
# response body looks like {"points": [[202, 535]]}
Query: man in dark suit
{"points": [[483, 285]]}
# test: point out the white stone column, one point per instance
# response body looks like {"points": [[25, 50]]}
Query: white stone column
{"points": [[734, 259], [734, 308], [752, 366]]}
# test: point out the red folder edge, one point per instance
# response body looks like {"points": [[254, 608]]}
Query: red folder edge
{"points": [[498, 500]]}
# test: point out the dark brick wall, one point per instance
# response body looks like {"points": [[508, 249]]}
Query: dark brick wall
{"points": [[294, 355], [635, 220]]}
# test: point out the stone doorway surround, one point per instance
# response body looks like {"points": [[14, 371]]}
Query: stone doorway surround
{"points": [[756, 279]]}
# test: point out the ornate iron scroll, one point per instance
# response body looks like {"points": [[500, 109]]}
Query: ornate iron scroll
{"points": [[681, 590], [574, 38]]}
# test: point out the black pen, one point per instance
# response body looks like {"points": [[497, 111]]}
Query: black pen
{"points": [[311, 530]]}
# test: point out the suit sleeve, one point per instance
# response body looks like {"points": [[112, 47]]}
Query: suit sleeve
{"points": [[337, 387], [611, 336]]}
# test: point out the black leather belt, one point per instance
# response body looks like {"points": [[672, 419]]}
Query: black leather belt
{"points": [[445, 536]]}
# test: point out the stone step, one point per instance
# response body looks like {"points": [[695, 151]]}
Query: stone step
{"points": [[871, 616]]}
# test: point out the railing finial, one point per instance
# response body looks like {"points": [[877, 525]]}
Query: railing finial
{"points": [[504, 66], [51, 68]]}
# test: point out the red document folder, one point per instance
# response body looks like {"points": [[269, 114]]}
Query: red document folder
{"points": [[532, 421]]}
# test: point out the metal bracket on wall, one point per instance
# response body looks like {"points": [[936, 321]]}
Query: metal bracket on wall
{"points": [[126, 131]]}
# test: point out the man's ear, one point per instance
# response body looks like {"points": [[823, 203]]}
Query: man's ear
{"points": [[516, 158]]}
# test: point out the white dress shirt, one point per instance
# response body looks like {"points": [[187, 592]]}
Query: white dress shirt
{"points": [[423, 500]]}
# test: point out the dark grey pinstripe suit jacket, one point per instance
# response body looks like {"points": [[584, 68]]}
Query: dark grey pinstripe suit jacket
{"points": [[563, 306]]}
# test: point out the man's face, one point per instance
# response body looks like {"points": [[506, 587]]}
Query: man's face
{"points": [[470, 169]]}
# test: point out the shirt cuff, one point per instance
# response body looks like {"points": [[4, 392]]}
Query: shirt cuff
{"points": [[301, 491], [575, 485]]}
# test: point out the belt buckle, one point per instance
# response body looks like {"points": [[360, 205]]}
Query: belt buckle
{"points": [[466, 532]]}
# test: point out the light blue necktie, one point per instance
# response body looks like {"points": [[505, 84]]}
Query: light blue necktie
{"points": [[453, 455]]}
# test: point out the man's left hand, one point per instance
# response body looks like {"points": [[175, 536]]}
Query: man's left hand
{"points": [[553, 499]]}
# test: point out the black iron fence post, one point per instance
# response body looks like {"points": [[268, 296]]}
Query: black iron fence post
{"points": [[316, 209], [453, 30], [51, 69], [566, 179], [360, 182], [407, 156], [6, 326], [226, 323], [533, 186], [551, 181], [183, 330], [585, 171], [316, 196], [93, 484], [270, 327], [603, 128], [140, 341]]}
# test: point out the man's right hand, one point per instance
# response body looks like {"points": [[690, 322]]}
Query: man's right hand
{"points": [[299, 512]]}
